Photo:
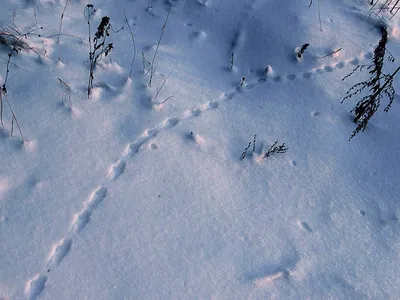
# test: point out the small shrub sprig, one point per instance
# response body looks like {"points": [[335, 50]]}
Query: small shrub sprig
{"points": [[275, 149], [99, 47], [244, 153], [379, 85], [392, 6]]}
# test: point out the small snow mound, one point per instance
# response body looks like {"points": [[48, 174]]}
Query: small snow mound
{"points": [[263, 281], [29, 145], [199, 35], [204, 2], [60, 65], [128, 82], [95, 94], [4, 186], [199, 139], [111, 66], [158, 106], [75, 113], [394, 32], [40, 185]]}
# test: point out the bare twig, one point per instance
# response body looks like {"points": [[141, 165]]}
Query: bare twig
{"points": [[14, 119], [64, 34], [1, 110], [337, 50], [64, 83], [133, 43], [170, 97], [319, 17], [158, 45], [159, 89], [59, 29]]}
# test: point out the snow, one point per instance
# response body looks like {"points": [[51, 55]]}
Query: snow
{"points": [[139, 192]]}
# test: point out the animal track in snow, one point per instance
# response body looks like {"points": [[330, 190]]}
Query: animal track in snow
{"points": [[195, 112], [116, 170], [82, 218], [59, 251], [303, 225], [35, 286], [291, 76]]}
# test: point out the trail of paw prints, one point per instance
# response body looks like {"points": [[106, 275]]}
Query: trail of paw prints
{"points": [[327, 68], [118, 168], [59, 251], [35, 286]]}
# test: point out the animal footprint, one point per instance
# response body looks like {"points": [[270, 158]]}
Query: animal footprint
{"points": [[277, 78], [82, 218], [355, 61], [195, 112], [171, 122], [305, 226], [250, 86], [59, 251], [368, 55], [291, 76], [116, 170], [340, 64], [213, 104], [35, 286]]}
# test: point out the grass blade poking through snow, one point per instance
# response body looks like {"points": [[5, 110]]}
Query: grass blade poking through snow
{"points": [[133, 43], [274, 149], [59, 29], [152, 70]]}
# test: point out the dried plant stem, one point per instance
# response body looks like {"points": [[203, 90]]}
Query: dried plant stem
{"points": [[319, 17], [14, 119], [151, 70], [333, 52], [159, 89], [170, 97], [133, 43], [1, 110], [59, 29]]}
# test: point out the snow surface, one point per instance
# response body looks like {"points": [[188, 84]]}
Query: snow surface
{"points": [[128, 196]]}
